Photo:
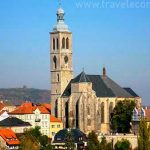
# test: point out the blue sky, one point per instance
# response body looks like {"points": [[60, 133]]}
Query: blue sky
{"points": [[114, 36]]}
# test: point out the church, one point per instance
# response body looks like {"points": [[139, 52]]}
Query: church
{"points": [[85, 101]]}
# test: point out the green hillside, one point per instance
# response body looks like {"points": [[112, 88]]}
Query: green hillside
{"points": [[18, 95]]}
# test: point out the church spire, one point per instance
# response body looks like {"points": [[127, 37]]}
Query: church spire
{"points": [[60, 15], [60, 26]]}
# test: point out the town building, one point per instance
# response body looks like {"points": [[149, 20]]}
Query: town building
{"points": [[55, 126], [36, 115], [16, 125], [7, 106], [3, 115], [8, 139], [85, 101], [80, 139]]}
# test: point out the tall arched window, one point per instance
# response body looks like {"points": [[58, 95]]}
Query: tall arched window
{"points": [[110, 110], [57, 44], [102, 112], [110, 107], [55, 62], [63, 43], [67, 43], [66, 114], [56, 108], [53, 44], [58, 77], [77, 114], [88, 110]]}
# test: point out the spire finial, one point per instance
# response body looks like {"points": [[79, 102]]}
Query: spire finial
{"points": [[59, 3], [83, 69]]}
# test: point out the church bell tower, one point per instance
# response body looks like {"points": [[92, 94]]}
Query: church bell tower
{"points": [[61, 60]]}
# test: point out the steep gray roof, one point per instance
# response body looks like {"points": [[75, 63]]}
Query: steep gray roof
{"points": [[82, 77], [13, 122], [102, 85], [116, 89], [129, 90]]}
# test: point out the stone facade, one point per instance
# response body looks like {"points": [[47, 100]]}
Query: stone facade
{"points": [[114, 138], [86, 101]]}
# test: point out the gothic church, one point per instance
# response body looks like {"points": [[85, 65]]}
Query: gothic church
{"points": [[85, 101]]}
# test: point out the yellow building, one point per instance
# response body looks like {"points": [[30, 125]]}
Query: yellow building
{"points": [[55, 126]]}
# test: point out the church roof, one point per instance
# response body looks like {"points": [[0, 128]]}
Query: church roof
{"points": [[82, 77], [102, 85], [115, 88], [129, 90]]}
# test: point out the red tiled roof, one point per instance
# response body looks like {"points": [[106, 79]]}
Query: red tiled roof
{"points": [[48, 106], [43, 109], [147, 114], [1, 112], [9, 136], [2, 106], [54, 119], [29, 108]]}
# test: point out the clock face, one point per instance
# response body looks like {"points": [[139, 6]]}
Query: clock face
{"points": [[66, 59]]}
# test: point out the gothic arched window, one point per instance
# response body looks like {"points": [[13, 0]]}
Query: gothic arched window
{"points": [[77, 114], [57, 44], [88, 110], [58, 77], [67, 43], [55, 62], [110, 109], [66, 59], [63, 43], [56, 108], [53, 44], [67, 114], [102, 112]]}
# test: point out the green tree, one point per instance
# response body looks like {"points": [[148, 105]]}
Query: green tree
{"points": [[122, 116], [104, 145], [29, 142], [93, 143], [43, 140], [144, 135], [69, 141], [35, 132], [48, 147], [33, 139], [123, 145]]}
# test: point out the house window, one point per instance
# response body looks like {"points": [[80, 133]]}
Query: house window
{"points": [[53, 133], [53, 126], [58, 126]]}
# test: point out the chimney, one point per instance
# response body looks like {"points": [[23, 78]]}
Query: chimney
{"points": [[104, 72]]}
